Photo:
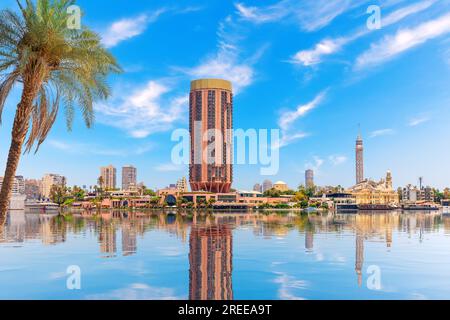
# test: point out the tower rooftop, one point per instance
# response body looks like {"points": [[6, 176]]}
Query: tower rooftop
{"points": [[211, 84]]}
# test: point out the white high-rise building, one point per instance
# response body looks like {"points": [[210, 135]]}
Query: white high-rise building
{"points": [[18, 185], [49, 180]]}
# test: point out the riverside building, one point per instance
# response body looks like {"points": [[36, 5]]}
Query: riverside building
{"points": [[210, 124]]}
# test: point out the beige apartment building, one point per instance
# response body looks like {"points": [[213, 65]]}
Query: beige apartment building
{"points": [[49, 180], [109, 177], [182, 185]]}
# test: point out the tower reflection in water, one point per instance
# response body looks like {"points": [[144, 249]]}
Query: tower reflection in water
{"points": [[210, 239], [210, 261], [371, 225]]}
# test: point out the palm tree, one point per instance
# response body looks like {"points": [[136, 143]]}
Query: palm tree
{"points": [[55, 65]]}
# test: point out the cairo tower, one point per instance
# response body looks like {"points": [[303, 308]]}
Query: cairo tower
{"points": [[359, 159]]}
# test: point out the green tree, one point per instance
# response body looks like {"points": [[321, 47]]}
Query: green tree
{"points": [[77, 193], [201, 202], [149, 192], [300, 196], [56, 65], [181, 202], [210, 202], [189, 204], [154, 201], [304, 204], [400, 193], [438, 196], [58, 194], [308, 192], [100, 182], [273, 193]]}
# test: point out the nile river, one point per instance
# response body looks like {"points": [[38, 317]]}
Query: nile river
{"points": [[165, 255]]}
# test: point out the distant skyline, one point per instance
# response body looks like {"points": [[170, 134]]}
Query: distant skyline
{"points": [[309, 68]]}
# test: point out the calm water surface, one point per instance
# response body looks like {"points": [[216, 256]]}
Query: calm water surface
{"points": [[226, 256]]}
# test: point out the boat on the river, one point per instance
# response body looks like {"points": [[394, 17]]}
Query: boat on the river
{"points": [[41, 207], [377, 207]]}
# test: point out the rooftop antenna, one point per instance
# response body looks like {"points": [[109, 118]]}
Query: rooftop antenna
{"points": [[359, 132]]}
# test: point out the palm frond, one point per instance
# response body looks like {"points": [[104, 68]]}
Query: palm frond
{"points": [[42, 119], [70, 66], [5, 87]]}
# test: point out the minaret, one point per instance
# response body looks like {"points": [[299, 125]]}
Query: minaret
{"points": [[359, 159], [388, 180]]}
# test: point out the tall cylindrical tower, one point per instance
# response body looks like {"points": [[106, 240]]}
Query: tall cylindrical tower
{"points": [[210, 124], [309, 178], [359, 159]]}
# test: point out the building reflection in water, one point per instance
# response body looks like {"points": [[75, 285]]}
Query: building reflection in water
{"points": [[309, 240], [19, 227], [374, 225], [210, 261], [129, 242], [359, 255], [107, 239], [210, 238]]}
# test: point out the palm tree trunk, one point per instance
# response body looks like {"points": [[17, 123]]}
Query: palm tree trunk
{"points": [[19, 132]]}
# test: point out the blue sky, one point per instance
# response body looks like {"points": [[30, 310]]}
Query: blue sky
{"points": [[309, 68]]}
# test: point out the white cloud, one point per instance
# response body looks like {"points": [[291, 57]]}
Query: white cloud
{"points": [[189, 9], [315, 165], [167, 167], [128, 28], [316, 14], [313, 56], [171, 251], [287, 138], [287, 118], [288, 284], [224, 65], [311, 15], [406, 11], [90, 149], [337, 159], [263, 14], [391, 46], [418, 120], [144, 111], [227, 63], [381, 132], [138, 291], [330, 46]]}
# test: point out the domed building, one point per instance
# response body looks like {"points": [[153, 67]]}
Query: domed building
{"points": [[369, 192], [280, 186]]}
